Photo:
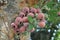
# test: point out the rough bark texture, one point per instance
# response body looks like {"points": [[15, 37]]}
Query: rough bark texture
{"points": [[7, 14]]}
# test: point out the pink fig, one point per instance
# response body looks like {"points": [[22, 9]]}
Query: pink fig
{"points": [[58, 13], [33, 10], [41, 24], [18, 20], [14, 25], [38, 10], [16, 30], [22, 29], [25, 10], [21, 14], [31, 14], [25, 19], [40, 16]]}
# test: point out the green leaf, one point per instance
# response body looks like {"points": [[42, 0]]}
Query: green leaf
{"points": [[30, 19], [30, 27], [51, 4], [36, 6], [52, 14]]}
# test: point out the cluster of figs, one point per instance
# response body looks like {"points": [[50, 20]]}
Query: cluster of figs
{"points": [[21, 22]]}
